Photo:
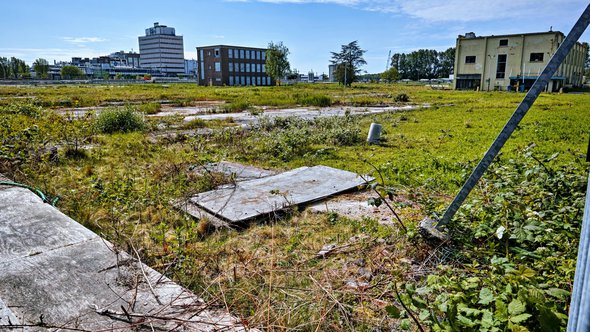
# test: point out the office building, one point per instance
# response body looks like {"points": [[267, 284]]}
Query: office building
{"points": [[514, 62], [162, 50], [232, 65]]}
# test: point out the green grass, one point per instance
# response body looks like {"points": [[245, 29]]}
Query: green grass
{"points": [[268, 273]]}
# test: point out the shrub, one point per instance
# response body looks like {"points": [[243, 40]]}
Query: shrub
{"points": [[315, 100], [236, 106], [119, 120], [194, 124], [149, 108], [402, 98]]}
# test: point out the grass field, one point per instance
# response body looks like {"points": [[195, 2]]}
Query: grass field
{"points": [[120, 185]]}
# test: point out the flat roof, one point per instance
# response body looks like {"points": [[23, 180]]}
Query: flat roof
{"points": [[513, 35], [231, 46]]}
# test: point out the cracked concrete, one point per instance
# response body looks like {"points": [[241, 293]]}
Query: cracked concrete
{"points": [[55, 271]]}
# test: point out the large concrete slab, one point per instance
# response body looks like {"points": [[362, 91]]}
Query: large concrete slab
{"points": [[56, 272], [258, 197], [237, 172], [308, 113]]}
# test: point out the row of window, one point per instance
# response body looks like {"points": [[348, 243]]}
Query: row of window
{"points": [[245, 54], [534, 57], [247, 67], [247, 80]]}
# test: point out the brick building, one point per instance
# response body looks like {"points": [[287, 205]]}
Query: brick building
{"points": [[220, 65]]}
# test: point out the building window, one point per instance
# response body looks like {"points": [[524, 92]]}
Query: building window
{"points": [[501, 67], [536, 57], [231, 80], [263, 55], [217, 53], [258, 80], [218, 66], [243, 80], [470, 59], [230, 53], [247, 68], [241, 54], [503, 42], [242, 69], [264, 68], [231, 67]]}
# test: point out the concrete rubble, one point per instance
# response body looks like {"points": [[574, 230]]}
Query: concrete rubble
{"points": [[259, 197], [56, 274]]}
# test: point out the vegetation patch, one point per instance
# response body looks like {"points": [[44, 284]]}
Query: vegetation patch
{"points": [[510, 264], [123, 120]]}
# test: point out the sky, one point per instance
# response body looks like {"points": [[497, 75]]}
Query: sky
{"points": [[311, 29]]}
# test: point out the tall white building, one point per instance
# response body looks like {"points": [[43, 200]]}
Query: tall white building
{"points": [[161, 49]]}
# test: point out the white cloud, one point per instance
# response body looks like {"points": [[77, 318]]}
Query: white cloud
{"points": [[456, 10], [83, 40]]}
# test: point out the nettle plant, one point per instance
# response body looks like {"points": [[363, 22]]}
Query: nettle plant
{"points": [[516, 245]]}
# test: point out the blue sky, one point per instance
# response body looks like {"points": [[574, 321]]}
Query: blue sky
{"points": [[311, 29]]}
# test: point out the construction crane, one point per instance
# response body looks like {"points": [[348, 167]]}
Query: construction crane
{"points": [[388, 63]]}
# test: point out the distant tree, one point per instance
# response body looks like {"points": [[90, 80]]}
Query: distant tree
{"points": [[348, 63], [424, 64], [447, 62], [71, 72], [18, 67], [390, 75], [41, 68], [4, 68], [277, 64]]}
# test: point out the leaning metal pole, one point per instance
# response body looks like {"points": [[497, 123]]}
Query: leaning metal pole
{"points": [[517, 116], [579, 315]]}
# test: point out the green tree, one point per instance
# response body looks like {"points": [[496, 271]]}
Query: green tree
{"points": [[18, 67], [277, 64], [41, 68], [71, 72], [447, 62], [390, 75], [4, 68], [348, 63]]}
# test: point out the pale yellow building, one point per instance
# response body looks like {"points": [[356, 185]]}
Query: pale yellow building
{"points": [[510, 62]]}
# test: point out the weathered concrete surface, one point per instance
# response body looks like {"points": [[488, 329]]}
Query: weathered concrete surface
{"points": [[356, 206], [246, 118], [54, 271], [258, 197], [237, 172]]}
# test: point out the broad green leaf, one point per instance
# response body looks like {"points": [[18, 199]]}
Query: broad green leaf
{"points": [[519, 318], [405, 324], [558, 293], [470, 311], [501, 313], [487, 319], [424, 314], [485, 296], [393, 311], [465, 321], [548, 321], [516, 307], [419, 303]]}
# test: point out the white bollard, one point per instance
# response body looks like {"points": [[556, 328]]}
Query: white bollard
{"points": [[374, 133]]}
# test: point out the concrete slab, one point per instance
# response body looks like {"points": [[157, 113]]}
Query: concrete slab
{"points": [[245, 118], [258, 197], [237, 171], [56, 272]]}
